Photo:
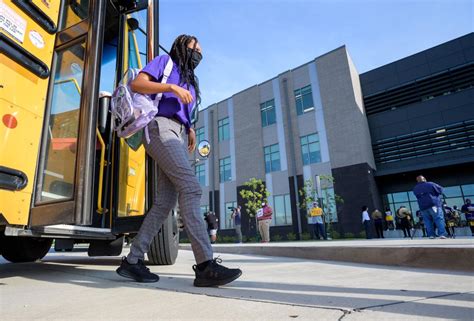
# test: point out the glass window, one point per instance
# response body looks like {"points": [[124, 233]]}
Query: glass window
{"points": [[200, 172], [267, 110], [411, 196], [223, 128], [63, 128], [310, 149], [74, 12], [228, 222], [137, 40], [272, 158], [282, 210], [199, 134], [452, 191], [400, 197], [458, 201], [304, 100], [468, 190], [224, 170]]}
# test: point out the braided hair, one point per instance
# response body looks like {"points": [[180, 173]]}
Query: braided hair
{"points": [[179, 54]]}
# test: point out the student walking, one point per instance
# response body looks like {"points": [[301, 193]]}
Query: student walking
{"points": [[171, 138]]}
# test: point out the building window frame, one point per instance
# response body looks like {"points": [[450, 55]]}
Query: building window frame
{"points": [[200, 172], [304, 100], [272, 158], [286, 218], [310, 149], [225, 169], [223, 129], [268, 113], [199, 134]]}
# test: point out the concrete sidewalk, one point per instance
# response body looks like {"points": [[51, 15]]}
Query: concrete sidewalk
{"points": [[72, 286], [450, 254]]}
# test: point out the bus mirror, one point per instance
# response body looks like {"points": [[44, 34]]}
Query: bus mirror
{"points": [[133, 24], [104, 103], [204, 148]]}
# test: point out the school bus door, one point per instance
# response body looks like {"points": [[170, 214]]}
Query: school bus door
{"points": [[64, 182]]}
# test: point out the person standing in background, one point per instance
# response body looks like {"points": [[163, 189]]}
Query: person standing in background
{"points": [[404, 215], [389, 219], [468, 210], [366, 221], [212, 225], [237, 217], [378, 222], [264, 217], [316, 219], [429, 195]]}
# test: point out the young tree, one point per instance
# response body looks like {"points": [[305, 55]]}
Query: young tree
{"points": [[326, 200], [254, 194]]}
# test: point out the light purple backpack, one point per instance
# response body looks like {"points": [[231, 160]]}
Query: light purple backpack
{"points": [[132, 111]]}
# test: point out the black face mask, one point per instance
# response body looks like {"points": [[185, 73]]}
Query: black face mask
{"points": [[196, 58]]}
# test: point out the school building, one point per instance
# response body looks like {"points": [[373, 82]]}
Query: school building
{"points": [[372, 132]]}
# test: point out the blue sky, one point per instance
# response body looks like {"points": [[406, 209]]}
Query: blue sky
{"points": [[246, 42]]}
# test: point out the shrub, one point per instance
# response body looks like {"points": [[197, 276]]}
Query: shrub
{"points": [[335, 235], [291, 236], [277, 238], [362, 235], [184, 240], [252, 239], [227, 239], [306, 236], [348, 235]]}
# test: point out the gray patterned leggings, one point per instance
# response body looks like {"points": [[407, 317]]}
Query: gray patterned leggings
{"points": [[176, 181]]}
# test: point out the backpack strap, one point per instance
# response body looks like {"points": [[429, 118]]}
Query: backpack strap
{"points": [[164, 79], [156, 102]]}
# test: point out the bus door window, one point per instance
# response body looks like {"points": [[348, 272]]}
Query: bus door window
{"points": [[132, 172], [74, 12], [60, 162], [137, 44]]}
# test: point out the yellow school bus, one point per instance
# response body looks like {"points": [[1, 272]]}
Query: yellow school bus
{"points": [[64, 175]]}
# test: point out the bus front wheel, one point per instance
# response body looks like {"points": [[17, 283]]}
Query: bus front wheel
{"points": [[165, 245], [24, 249]]}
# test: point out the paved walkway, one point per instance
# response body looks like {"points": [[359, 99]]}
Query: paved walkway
{"points": [[72, 286]]}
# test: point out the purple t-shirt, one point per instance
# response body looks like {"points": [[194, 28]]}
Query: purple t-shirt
{"points": [[170, 106]]}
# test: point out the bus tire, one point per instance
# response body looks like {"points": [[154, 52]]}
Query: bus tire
{"points": [[165, 245], [24, 249]]}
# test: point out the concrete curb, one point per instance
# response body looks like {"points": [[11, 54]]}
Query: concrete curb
{"points": [[455, 259]]}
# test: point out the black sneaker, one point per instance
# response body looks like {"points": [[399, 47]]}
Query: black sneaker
{"points": [[138, 272], [215, 274]]}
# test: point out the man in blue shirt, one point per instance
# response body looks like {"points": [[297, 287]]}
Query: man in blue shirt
{"points": [[428, 195]]}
